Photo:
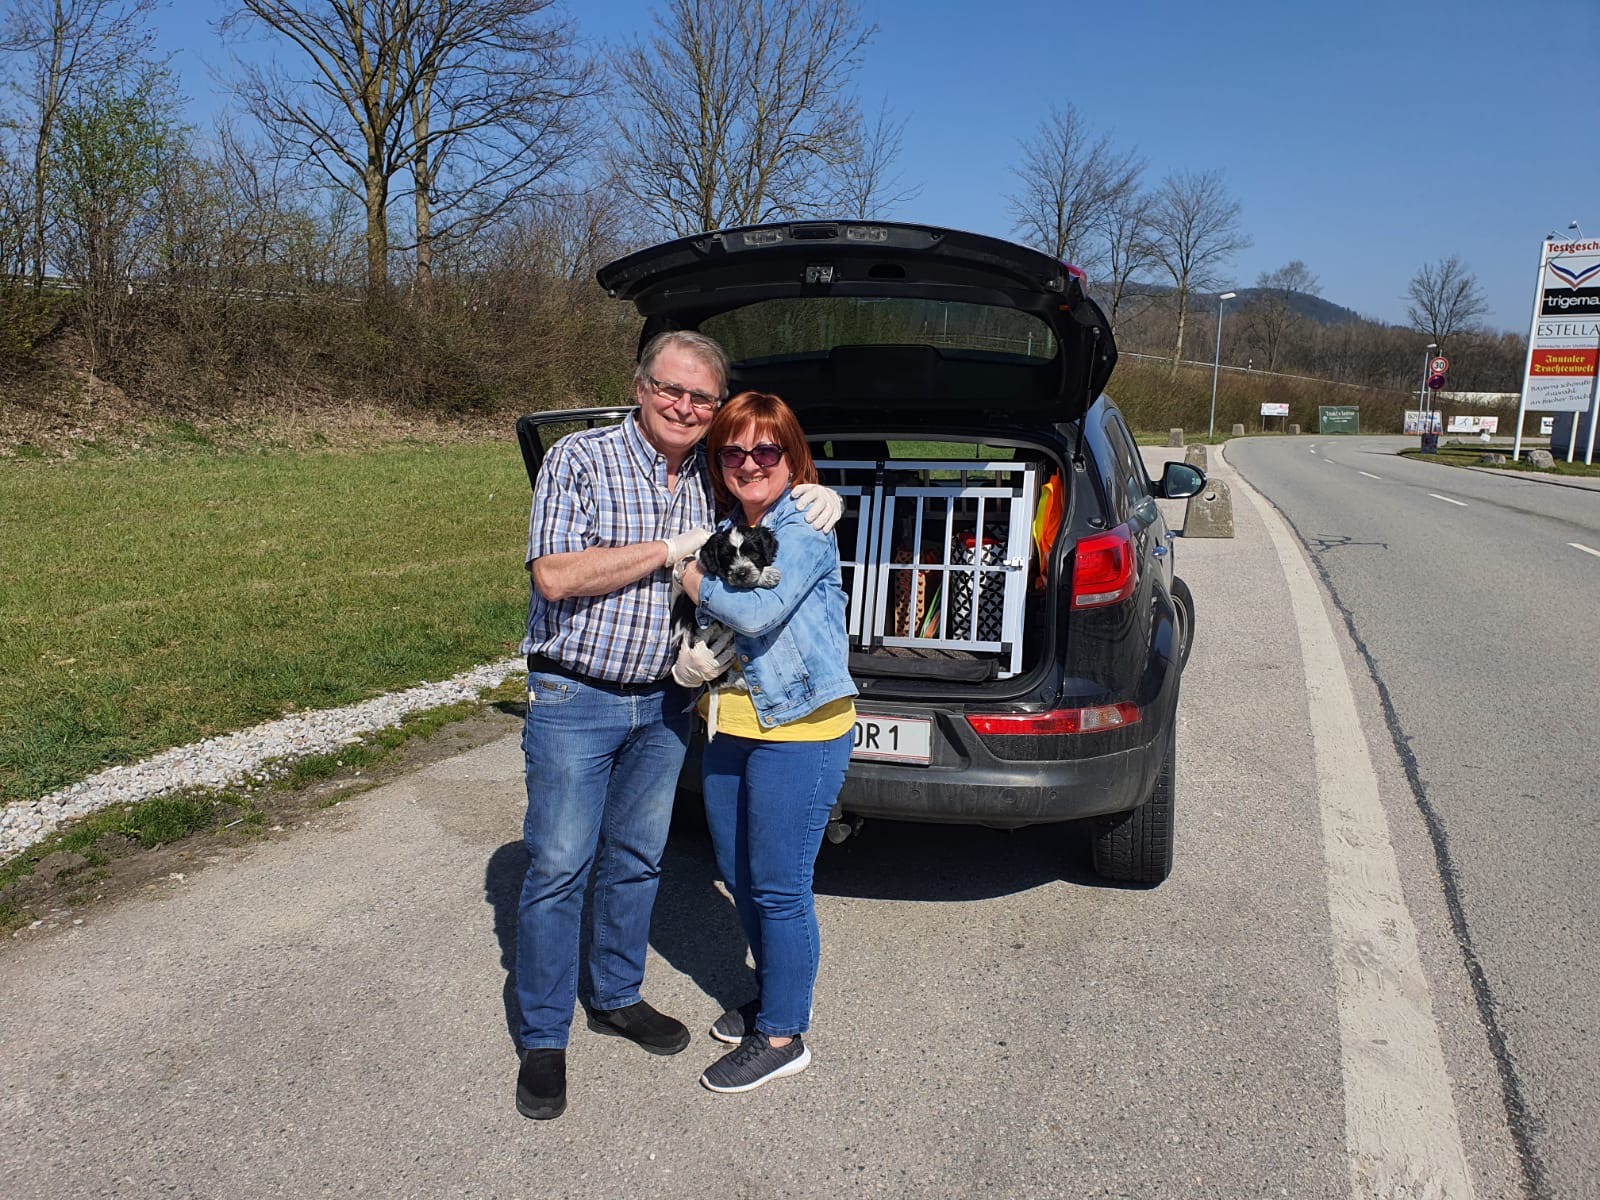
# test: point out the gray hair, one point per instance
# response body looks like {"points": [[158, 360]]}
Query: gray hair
{"points": [[709, 353]]}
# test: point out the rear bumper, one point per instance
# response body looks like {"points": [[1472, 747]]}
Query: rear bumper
{"points": [[1005, 793], [967, 784]]}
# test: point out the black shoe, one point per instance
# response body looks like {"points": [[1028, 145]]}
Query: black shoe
{"points": [[542, 1084], [754, 1062], [642, 1025], [732, 1025]]}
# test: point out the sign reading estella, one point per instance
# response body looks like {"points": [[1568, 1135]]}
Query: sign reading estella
{"points": [[1564, 345]]}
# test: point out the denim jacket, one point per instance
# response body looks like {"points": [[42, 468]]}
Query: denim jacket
{"points": [[790, 639]]}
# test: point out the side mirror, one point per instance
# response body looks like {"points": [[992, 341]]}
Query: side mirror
{"points": [[1179, 481]]}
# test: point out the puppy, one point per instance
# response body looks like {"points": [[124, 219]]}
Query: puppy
{"points": [[741, 557]]}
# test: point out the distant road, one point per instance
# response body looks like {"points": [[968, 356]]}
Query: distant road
{"points": [[1473, 598]]}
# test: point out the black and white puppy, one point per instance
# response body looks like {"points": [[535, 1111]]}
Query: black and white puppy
{"points": [[743, 557]]}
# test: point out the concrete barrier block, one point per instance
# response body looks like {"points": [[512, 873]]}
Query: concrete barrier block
{"points": [[1209, 512], [1195, 456], [1238, 430], [1542, 459], [1293, 430], [1174, 439]]}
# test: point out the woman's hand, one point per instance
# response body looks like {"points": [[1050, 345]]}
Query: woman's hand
{"points": [[693, 576]]}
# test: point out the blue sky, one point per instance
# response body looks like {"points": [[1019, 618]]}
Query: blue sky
{"points": [[1363, 138]]}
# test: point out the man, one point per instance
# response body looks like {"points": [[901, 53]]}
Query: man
{"points": [[613, 511]]}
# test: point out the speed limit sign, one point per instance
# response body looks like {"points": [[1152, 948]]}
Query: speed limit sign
{"points": [[1439, 366]]}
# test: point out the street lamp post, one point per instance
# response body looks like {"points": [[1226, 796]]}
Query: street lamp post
{"points": [[1216, 361], [1422, 392]]}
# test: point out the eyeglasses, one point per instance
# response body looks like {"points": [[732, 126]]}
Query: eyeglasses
{"points": [[767, 456], [677, 393]]}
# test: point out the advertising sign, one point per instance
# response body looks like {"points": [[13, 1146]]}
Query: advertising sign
{"points": [[1547, 426], [1564, 346], [1461, 423], [1269, 409], [1338, 418], [1423, 422]]}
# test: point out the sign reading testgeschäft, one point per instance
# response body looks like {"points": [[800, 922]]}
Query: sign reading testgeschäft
{"points": [[1338, 418], [1564, 345], [1269, 409]]}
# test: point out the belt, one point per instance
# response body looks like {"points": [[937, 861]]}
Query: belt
{"points": [[549, 666]]}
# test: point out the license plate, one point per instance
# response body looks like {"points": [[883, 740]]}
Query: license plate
{"points": [[892, 739]]}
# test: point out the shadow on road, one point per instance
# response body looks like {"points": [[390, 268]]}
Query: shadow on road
{"points": [[695, 929]]}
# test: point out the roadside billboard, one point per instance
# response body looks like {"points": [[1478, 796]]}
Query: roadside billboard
{"points": [[1564, 346], [1271, 408], [1462, 423], [1564, 343], [1338, 418], [1423, 422]]}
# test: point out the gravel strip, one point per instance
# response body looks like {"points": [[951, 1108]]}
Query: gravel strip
{"points": [[232, 758]]}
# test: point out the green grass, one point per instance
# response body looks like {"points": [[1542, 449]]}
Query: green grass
{"points": [[1469, 454], [150, 602]]}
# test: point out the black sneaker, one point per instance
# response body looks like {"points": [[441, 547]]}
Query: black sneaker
{"points": [[732, 1025], [642, 1025], [542, 1084], [754, 1062]]}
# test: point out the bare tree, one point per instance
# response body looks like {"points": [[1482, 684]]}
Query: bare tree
{"points": [[739, 111], [1272, 312], [66, 44], [868, 188], [1445, 300], [1069, 183], [1125, 233], [477, 99], [1194, 230], [498, 108]]}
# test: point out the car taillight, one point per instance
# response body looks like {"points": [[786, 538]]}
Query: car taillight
{"points": [[1061, 720], [1102, 569]]}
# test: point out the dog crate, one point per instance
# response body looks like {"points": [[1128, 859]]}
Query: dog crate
{"points": [[936, 559]]}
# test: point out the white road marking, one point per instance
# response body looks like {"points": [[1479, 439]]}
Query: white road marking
{"points": [[1447, 500], [1313, 449], [1370, 475], [1401, 1129], [1585, 549]]}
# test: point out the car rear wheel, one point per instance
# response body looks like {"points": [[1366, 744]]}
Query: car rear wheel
{"points": [[1136, 847], [1183, 603]]}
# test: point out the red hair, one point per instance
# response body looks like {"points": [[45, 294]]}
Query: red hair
{"points": [[774, 422]]}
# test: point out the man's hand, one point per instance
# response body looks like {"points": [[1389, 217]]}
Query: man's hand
{"points": [[684, 545], [820, 506], [701, 662]]}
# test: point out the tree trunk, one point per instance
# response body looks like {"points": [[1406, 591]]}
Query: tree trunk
{"points": [[377, 232], [1183, 313]]}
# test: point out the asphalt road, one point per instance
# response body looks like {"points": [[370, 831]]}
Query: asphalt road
{"points": [[1472, 595], [1288, 1016]]}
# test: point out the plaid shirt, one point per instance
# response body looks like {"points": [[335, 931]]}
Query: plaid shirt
{"points": [[608, 487]]}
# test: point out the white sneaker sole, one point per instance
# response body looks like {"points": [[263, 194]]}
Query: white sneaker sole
{"points": [[788, 1068]]}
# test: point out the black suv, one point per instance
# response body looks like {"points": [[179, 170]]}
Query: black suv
{"points": [[1017, 631]]}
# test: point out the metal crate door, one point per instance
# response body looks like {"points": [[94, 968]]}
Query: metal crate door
{"points": [[965, 540]]}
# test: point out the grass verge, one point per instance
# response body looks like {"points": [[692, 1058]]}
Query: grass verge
{"points": [[1471, 455], [153, 601], [73, 859]]}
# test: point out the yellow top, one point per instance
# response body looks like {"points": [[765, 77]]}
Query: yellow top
{"points": [[736, 715]]}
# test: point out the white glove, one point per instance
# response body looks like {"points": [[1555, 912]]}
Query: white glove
{"points": [[684, 545], [820, 506], [701, 662]]}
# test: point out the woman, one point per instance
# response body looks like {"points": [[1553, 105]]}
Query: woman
{"points": [[774, 769]]}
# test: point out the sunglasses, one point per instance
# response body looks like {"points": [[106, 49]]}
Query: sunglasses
{"points": [[731, 458]]}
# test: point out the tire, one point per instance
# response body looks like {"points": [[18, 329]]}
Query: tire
{"points": [[1183, 604], [1136, 846]]}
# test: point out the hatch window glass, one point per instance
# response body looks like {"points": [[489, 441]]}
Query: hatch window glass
{"points": [[781, 328]]}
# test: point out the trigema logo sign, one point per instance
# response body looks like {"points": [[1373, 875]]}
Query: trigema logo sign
{"points": [[1571, 280]]}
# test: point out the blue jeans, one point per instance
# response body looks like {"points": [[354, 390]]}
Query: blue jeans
{"points": [[767, 805], [602, 769]]}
